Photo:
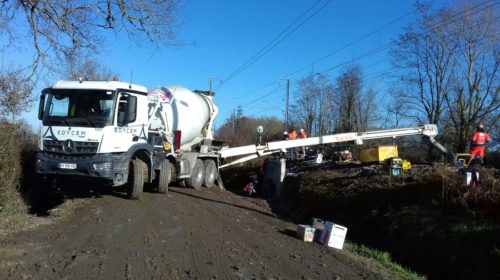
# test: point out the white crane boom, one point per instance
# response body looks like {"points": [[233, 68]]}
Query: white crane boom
{"points": [[253, 151]]}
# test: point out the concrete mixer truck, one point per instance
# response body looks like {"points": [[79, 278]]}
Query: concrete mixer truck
{"points": [[123, 134]]}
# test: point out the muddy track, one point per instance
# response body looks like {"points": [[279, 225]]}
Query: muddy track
{"points": [[185, 234]]}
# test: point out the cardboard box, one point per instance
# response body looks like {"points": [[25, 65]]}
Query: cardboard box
{"points": [[333, 235], [305, 233], [318, 225]]}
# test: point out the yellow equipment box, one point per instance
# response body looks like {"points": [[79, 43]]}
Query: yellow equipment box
{"points": [[406, 165], [378, 154]]}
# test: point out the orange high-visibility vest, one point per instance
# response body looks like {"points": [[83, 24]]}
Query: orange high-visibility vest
{"points": [[480, 138]]}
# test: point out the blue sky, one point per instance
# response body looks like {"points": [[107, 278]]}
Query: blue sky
{"points": [[217, 37]]}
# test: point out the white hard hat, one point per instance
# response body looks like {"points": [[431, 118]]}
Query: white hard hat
{"points": [[285, 133], [302, 130]]}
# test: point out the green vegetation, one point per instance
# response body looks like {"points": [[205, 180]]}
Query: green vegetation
{"points": [[17, 146], [384, 259]]}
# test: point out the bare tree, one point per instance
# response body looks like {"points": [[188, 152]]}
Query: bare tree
{"points": [[395, 109], [65, 31], [355, 106], [303, 111], [61, 29], [473, 43], [242, 130], [425, 67], [449, 62], [312, 110], [15, 89], [89, 69]]}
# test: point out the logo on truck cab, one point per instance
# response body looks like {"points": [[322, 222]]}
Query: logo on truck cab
{"points": [[69, 146], [125, 130], [79, 133]]}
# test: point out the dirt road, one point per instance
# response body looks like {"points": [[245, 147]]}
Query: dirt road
{"points": [[185, 234]]}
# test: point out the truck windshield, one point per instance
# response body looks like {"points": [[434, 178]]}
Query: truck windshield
{"points": [[87, 108]]}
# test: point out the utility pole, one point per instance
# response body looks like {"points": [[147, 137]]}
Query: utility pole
{"points": [[210, 84], [234, 119], [286, 102]]}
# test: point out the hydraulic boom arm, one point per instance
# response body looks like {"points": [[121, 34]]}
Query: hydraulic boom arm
{"points": [[253, 151]]}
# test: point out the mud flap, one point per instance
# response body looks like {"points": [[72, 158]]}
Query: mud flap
{"points": [[219, 180]]}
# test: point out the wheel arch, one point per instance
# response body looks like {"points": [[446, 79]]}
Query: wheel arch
{"points": [[143, 152]]}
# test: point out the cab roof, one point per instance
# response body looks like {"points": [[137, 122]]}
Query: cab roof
{"points": [[105, 85]]}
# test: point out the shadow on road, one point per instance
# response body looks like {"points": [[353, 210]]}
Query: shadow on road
{"points": [[221, 202], [42, 197], [289, 232]]}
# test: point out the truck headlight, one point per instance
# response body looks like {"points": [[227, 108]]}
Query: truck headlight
{"points": [[101, 166]]}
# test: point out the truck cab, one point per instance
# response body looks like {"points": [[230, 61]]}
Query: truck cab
{"points": [[92, 129]]}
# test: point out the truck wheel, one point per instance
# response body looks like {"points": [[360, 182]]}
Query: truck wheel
{"points": [[196, 179], [210, 173], [135, 179], [165, 176]]}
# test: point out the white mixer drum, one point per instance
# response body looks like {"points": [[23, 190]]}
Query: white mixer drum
{"points": [[188, 112]]}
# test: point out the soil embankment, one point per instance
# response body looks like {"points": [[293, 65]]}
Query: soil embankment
{"points": [[427, 220]]}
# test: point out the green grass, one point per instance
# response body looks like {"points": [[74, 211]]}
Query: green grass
{"points": [[384, 259]]}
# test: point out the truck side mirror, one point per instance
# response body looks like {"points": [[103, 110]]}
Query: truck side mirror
{"points": [[131, 109], [40, 106]]}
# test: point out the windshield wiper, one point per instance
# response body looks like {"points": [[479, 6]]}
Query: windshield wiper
{"points": [[90, 121], [60, 120], [79, 121], [65, 121]]}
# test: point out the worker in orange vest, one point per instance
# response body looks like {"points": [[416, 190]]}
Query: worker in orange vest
{"points": [[301, 150], [293, 151], [478, 143], [302, 134]]}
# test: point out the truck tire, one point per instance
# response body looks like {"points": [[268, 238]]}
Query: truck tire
{"points": [[210, 173], [135, 179], [196, 179], [165, 176]]}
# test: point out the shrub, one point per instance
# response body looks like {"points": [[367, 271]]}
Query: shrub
{"points": [[15, 140]]}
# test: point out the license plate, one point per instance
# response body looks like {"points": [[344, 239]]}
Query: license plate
{"points": [[64, 165]]}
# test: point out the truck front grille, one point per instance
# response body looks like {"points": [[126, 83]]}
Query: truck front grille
{"points": [[68, 157], [70, 147]]}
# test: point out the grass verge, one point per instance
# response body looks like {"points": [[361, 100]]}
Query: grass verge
{"points": [[372, 258]]}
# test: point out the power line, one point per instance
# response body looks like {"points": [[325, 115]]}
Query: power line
{"points": [[266, 95], [272, 44], [353, 42], [441, 23], [340, 49], [386, 46]]}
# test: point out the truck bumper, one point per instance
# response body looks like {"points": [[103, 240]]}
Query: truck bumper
{"points": [[105, 167]]}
